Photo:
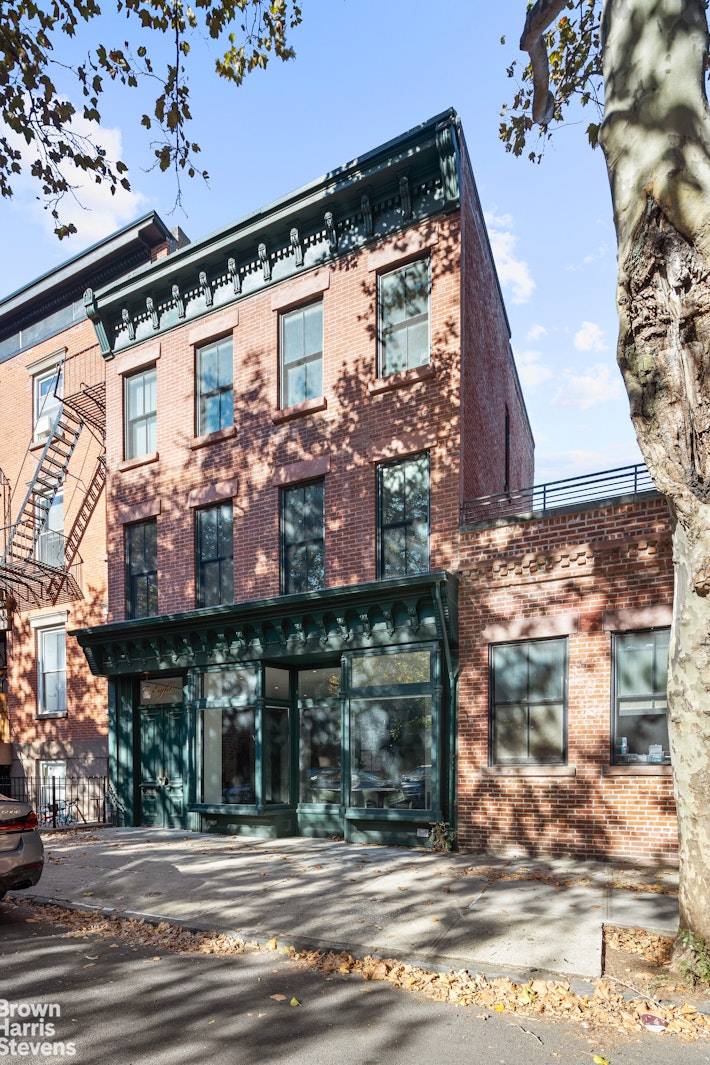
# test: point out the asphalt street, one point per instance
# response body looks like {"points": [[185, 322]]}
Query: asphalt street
{"points": [[130, 1005]]}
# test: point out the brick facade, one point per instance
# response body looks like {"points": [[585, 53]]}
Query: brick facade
{"points": [[581, 574]]}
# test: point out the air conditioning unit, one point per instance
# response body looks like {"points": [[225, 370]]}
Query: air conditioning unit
{"points": [[44, 426]]}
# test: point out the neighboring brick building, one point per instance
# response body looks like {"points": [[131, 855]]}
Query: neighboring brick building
{"points": [[593, 583], [304, 587], [53, 566]]}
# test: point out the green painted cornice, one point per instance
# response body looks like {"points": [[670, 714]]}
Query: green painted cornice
{"points": [[396, 611], [408, 179]]}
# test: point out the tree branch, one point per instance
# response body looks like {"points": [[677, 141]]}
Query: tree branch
{"points": [[539, 17]]}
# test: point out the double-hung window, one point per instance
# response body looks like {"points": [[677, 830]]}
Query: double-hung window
{"points": [[140, 404], [403, 302], [215, 396], [52, 671], [528, 685], [302, 538], [50, 544], [403, 517], [301, 348], [640, 702], [215, 566], [47, 391], [142, 569]]}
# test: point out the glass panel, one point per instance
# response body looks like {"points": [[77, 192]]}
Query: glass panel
{"points": [[643, 738], [319, 683], [510, 740], [404, 317], [276, 683], [635, 655], [320, 750], [276, 754], [403, 667], [228, 755], [313, 329], [295, 385], [546, 728], [510, 672], [546, 676], [394, 552], [237, 685], [292, 336], [161, 691], [55, 693], [391, 746]]}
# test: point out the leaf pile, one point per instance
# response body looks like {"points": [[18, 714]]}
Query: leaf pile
{"points": [[551, 999], [651, 946], [620, 881]]}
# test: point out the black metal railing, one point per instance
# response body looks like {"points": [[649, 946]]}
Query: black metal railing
{"points": [[542, 499], [61, 802]]}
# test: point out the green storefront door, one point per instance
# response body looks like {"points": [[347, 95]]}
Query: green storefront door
{"points": [[162, 785]]}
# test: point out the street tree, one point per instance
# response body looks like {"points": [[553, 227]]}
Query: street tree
{"points": [[60, 60], [644, 64]]}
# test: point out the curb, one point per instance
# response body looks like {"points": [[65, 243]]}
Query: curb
{"points": [[579, 984]]}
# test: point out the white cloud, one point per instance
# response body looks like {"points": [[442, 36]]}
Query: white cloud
{"points": [[590, 337], [597, 384], [587, 260], [514, 272], [536, 331], [92, 208], [532, 370]]}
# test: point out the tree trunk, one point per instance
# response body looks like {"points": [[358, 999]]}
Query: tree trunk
{"points": [[656, 140]]}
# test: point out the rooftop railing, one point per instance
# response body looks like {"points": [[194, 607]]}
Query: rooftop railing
{"points": [[543, 499]]}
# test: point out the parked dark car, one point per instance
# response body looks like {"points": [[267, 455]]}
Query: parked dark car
{"points": [[21, 850]]}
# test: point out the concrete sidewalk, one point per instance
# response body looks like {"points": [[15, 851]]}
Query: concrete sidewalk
{"points": [[445, 910]]}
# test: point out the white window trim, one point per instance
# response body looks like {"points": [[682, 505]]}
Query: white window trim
{"points": [[37, 378], [39, 630]]}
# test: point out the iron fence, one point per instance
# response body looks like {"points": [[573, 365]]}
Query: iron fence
{"points": [[542, 499], [61, 802]]}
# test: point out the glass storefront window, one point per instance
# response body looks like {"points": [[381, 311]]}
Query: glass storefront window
{"points": [[405, 667], [228, 750], [319, 703], [276, 683], [391, 753], [276, 756], [231, 685]]}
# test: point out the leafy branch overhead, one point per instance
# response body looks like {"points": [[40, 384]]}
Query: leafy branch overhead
{"points": [[53, 84], [563, 39]]}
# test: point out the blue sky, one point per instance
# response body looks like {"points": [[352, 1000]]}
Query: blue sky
{"points": [[365, 71]]}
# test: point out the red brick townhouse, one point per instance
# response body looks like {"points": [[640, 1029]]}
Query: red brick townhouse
{"points": [[334, 604], [53, 545]]}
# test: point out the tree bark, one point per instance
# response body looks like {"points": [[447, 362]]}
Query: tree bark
{"points": [[656, 140]]}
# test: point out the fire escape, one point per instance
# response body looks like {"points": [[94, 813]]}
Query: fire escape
{"points": [[38, 564]]}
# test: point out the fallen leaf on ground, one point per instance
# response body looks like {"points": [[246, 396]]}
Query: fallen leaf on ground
{"points": [[278, 997], [294, 1002]]}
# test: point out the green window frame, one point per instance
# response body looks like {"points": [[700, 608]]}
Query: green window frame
{"points": [[229, 711], [140, 409], [141, 567], [301, 354], [403, 516], [214, 395], [528, 702], [392, 742], [214, 555], [404, 318], [303, 537], [639, 698]]}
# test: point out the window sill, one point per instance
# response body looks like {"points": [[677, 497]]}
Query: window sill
{"points": [[639, 770], [213, 438], [143, 460], [529, 771], [311, 406], [52, 717], [401, 380], [236, 809]]}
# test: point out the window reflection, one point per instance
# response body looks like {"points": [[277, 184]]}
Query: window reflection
{"points": [[319, 702]]}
